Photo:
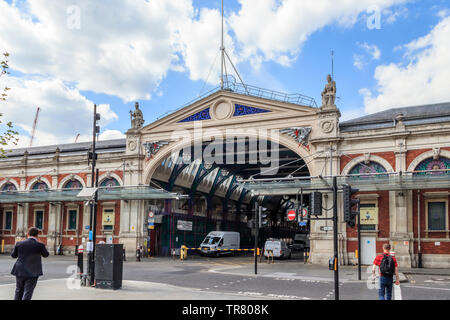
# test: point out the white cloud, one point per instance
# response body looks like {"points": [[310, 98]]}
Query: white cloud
{"points": [[123, 47], [419, 81], [64, 112], [392, 15], [276, 29], [372, 50], [111, 134], [360, 60]]}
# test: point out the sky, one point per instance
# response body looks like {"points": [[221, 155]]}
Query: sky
{"points": [[66, 56]]}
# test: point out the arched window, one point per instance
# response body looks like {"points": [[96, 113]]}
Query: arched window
{"points": [[433, 164], [40, 186], [73, 184], [9, 187], [363, 168], [109, 182]]}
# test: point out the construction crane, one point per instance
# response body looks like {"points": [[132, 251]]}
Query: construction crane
{"points": [[34, 126]]}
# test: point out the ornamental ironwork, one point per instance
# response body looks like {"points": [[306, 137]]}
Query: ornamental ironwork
{"points": [[440, 163], [368, 168], [199, 116], [241, 110], [300, 134], [73, 184], [152, 148], [9, 187]]}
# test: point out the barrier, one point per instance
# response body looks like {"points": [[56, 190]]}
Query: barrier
{"points": [[184, 251]]}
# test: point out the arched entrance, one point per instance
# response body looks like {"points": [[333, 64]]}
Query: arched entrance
{"points": [[208, 174]]}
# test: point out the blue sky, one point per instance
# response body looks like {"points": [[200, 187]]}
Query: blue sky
{"points": [[115, 55]]}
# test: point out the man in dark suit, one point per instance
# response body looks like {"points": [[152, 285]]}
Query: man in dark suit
{"points": [[28, 266]]}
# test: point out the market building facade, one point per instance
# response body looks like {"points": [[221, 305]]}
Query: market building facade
{"points": [[201, 153]]}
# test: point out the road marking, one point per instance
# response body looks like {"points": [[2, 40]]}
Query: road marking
{"points": [[430, 288]]}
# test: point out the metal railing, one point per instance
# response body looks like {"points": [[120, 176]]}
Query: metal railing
{"points": [[231, 85]]}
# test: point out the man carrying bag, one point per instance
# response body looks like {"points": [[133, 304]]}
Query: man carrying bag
{"points": [[388, 266]]}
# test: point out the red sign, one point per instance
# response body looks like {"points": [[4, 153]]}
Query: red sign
{"points": [[291, 215]]}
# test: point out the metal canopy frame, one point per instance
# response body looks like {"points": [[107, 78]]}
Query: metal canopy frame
{"points": [[104, 193], [386, 181]]}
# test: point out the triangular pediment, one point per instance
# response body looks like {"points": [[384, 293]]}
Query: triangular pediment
{"points": [[224, 108]]}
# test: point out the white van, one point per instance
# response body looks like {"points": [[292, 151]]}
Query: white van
{"points": [[278, 247], [220, 240]]}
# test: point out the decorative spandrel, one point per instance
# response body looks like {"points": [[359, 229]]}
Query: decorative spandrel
{"points": [[300, 134], [241, 110], [199, 116], [151, 148]]}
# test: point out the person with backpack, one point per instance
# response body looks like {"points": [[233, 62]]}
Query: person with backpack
{"points": [[388, 266]]}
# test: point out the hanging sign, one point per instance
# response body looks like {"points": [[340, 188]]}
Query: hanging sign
{"points": [[184, 225]]}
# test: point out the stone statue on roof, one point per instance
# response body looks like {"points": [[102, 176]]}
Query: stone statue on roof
{"points": [[137, 118], [329, 93]]}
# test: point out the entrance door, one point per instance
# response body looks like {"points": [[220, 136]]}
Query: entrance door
{"points": [[368, 250]]}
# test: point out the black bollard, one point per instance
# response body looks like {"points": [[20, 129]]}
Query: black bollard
{"points": [[80, 260]]}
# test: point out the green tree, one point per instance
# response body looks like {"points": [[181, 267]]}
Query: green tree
{"points": [[7, 134]]}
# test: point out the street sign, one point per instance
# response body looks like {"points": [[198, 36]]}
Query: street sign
{"points": [[328, 228], [302, 223], [304, 212], [291, 215], [151, 214]]}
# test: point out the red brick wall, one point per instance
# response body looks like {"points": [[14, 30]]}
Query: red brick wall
{"points": [[72, 234], [413, 154], [388, 156]]}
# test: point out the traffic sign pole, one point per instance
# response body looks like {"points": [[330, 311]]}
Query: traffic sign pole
{"points": [[335, 240], [359, 246]]}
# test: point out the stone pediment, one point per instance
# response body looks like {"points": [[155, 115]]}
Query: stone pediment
{"points": [[228, 109]]}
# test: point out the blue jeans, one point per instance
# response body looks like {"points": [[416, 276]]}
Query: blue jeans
{"points": [[385, 289]]}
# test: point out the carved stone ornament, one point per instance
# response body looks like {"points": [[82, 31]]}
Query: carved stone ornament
{"points": [[436, 153], [152, 148], [132, 145], [300, 134], [367, 157], [327, 126]]}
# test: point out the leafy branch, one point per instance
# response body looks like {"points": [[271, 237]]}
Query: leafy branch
{"points": [[9, 135]]}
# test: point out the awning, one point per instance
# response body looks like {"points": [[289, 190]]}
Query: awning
{"points": [[104, 193], [363, 182]]}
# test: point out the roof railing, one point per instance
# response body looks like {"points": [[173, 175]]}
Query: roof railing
{"points": [[231, 85]]}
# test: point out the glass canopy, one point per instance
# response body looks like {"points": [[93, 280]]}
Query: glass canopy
{"points": [[434, 179], [104, 193]]}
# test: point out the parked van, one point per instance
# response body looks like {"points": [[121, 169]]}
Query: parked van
{"points": [[220, 240], [279, 247]]}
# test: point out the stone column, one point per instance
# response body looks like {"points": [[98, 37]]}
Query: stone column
{"points": [[52, 231], [399, 236]]}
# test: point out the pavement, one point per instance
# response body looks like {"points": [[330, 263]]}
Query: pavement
{"points": [[68, 289], [225, 278]]}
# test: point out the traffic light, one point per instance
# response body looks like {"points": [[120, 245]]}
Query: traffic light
{"points": [[349, 203], [263, 217], [316, 203]]}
